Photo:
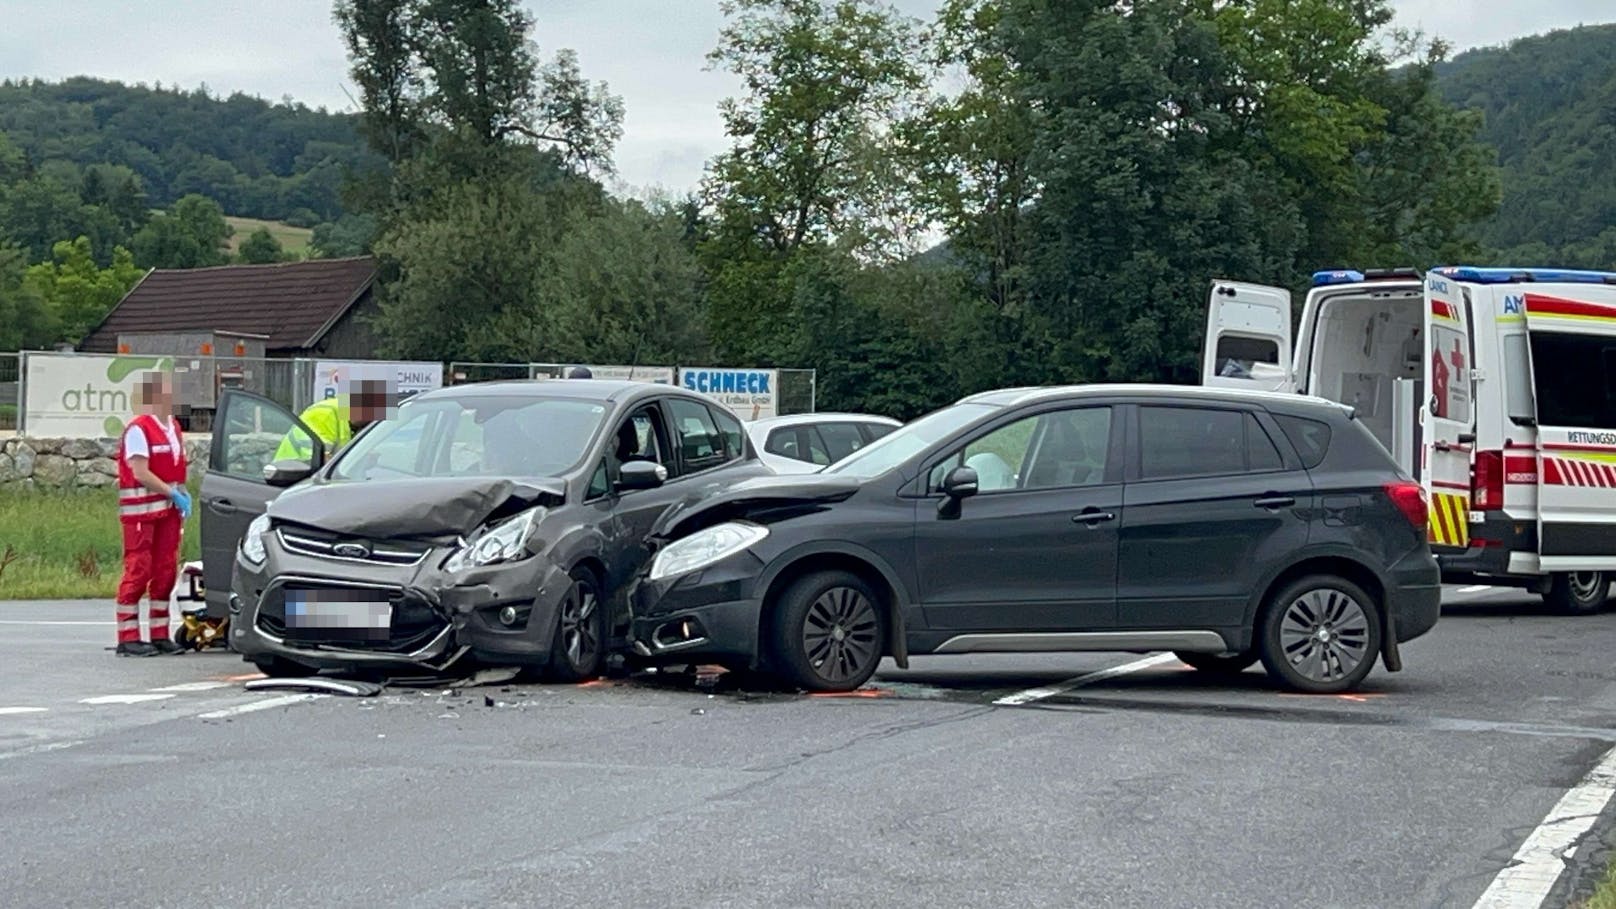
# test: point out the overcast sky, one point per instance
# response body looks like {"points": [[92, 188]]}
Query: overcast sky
{"points": [[650, 51]]}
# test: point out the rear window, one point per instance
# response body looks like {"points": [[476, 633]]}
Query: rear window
{"points": [[1310, 437], [1575, 379]]}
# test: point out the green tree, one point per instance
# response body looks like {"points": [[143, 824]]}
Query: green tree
{"points": [[190, 235], [351, 235], [261, 248], [25, 319], [77, 293]]}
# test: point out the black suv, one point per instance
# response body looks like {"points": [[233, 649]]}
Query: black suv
{"points": [[1224, 526]]}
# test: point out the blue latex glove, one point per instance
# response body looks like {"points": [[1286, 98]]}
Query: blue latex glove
{"points": [[182, 500]]}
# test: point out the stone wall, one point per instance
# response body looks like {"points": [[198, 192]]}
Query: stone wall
{"points": [[75, 463]]}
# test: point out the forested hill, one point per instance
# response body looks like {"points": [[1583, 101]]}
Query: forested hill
{"points": [[1550, 107], [256, 159]]}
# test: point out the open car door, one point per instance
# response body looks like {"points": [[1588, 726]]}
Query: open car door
{"points": [[1248, 338], [248, 431], [1448, 418], [1572, 331]]}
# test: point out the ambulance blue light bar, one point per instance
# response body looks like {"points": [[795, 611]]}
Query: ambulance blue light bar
{"points": [[1526, 275], [1353, 276], [1337, 276]]}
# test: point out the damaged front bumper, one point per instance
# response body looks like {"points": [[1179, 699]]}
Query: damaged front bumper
{"points": [[712, 614], [503, 614]]}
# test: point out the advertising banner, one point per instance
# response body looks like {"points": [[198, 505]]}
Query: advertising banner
{"points": [[662, 375], [82, 395], [751, 393], [407, 379]]}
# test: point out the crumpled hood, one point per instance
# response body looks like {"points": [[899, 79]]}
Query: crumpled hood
{"points": [[754, 495], [428, 507]]}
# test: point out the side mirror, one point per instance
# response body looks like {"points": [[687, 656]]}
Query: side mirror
{"points": [[287, 473], [961, 483], [641, 475]]}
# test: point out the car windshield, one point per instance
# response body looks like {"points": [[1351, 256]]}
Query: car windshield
{"points": [[903, 443], [477, 435]]}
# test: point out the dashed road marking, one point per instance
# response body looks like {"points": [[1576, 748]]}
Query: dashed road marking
{"points": [[13, 711], [1048, 691], [124, 699], [40, 749], [193, 686], [1531, 874], [285, 700]]}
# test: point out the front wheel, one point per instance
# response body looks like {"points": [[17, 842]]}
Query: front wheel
{"points": [[1320, 635], [1213, 664], [578, 648], [1578, 593], [828, 632]]}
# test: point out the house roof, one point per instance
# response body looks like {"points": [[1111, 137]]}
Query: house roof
{"points": [[293, 303]]}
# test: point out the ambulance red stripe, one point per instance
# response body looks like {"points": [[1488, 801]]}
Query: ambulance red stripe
{"points": [[1555, 306]]}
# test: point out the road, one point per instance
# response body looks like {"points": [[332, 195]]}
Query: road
{"points": [[163, 782]]}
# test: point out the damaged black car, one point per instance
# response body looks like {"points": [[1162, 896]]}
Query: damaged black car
{"points": [[495, 524]]}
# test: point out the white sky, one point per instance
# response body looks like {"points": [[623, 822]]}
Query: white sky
{"points": [[650, 51]]}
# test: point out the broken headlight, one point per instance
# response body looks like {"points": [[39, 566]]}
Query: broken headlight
{"points": [[252, 545], [505, 543], [705, 547]]}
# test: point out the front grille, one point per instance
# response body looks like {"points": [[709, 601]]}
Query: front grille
{"points": [[414, 622], [331, 546]]}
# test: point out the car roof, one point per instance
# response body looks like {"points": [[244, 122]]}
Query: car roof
{"points": [[580, 389], [798, 419], [1013, 397]]}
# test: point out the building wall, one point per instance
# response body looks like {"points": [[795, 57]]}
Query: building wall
{"points": [[351, 338]]}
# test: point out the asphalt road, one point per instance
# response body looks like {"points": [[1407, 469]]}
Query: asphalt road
{"points": [[161, 782]]}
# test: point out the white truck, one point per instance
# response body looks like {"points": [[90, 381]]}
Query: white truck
{"points": [[1496, 387]]}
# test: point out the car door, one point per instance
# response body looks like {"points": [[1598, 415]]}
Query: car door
{"points": [[641, 435], [1210, 503], [247, 430], [1036, 548]]}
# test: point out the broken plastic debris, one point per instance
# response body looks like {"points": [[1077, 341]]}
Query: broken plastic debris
{"points": [[347, 687]]}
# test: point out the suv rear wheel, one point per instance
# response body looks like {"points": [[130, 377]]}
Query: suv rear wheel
{"points": [[1579, 593], [1320, 635]]}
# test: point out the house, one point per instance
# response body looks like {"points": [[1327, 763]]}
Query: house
{"points": [[319, 308]]}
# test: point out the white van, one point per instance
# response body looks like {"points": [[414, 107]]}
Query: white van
{"points": [[1515, 442]]}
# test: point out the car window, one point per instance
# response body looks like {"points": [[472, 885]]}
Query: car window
{"points": [[255, 432], [699, 440], [1190, 442], [600, 482], [799, 443], [637, 439], [841, 439], [873, 431], [1052, 450], [907, 442], [1310, 437], [734, 436], [1261, 449], [478, 435]]}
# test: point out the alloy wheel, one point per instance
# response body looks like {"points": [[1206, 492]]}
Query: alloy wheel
{"points": [[1324, 635], [840, 634], [578, 639]]}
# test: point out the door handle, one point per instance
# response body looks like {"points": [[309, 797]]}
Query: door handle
{"points": [[1275, 502], [1093, 517], [222, 506]]}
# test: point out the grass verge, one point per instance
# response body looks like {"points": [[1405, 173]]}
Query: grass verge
{"points": [[1605, 896], [65, 544], [294, 240]]}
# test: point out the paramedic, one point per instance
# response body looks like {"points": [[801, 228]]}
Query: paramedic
{"points": [[152, 507], [336, 420]]}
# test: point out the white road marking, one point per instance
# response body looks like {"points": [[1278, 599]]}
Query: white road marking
{"points": [[285, 700], [1526, 881], [194, 686], [40, 749], [125, 698], [13, 711], [44, 622], [1475, 588], [1038, 694]]}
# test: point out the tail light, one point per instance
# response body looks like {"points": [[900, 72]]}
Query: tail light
{"points": [[1487, 481], [1410, 499]]}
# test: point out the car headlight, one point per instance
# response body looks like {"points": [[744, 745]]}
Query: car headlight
{"points": [[705, 547], [504, 543], [252, 545]]}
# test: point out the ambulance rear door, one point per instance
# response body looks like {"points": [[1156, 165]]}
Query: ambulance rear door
{"points": [[1449, 415], [1572, 332], [1248, 338]]}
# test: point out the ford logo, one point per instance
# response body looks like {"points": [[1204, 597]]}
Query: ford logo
{"points": [[351, 550]]}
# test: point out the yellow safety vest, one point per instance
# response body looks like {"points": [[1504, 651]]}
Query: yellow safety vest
{"points": [[328, 419]]}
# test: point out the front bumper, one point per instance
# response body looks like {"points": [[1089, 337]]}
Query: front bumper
{"points": [[713, 614], [436, 618]]}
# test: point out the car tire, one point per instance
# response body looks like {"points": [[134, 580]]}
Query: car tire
{"points": [[1578, 593], [828, 632], [279, 668], [1213, 664], [1320, 635], [578, 646]]}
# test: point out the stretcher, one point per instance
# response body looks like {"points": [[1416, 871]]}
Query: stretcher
{"points": [[197, 630]]}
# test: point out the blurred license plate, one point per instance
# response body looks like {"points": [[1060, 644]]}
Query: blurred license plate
{"points": [[338, 615]]}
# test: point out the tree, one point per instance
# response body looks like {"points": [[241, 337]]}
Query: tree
{"points": [[191, 235], [25, 320], [261, 248], [76, 292], [351, 235]]}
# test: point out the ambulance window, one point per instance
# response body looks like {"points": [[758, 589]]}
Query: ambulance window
{"points": [[1575, 379], [1518, 379], [1236, 355]]}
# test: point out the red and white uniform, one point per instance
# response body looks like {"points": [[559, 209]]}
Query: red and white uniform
{"points": [[151, 524]]}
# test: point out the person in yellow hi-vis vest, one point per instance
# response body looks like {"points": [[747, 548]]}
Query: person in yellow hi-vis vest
{"points": [[336, 420]]}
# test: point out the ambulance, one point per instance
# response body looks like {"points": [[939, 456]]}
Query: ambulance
{"points": [[1495, 387]]}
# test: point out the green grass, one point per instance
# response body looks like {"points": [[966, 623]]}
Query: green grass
{"points": [[294, 240], [1605, 896], [65, 544], [8, 416]]}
